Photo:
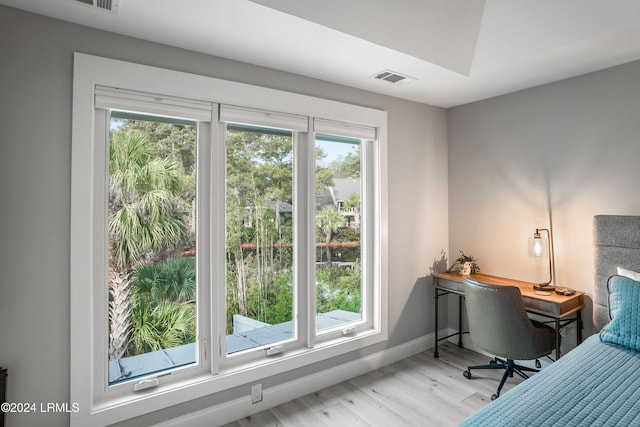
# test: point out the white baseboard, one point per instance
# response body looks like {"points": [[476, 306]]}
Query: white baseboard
{"points": [[273, 396]]}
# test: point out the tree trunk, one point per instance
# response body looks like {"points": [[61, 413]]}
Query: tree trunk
{"points": [[119, 314], [327, 248], [241, 283]]}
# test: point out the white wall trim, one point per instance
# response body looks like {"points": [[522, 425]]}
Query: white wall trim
{"points": [[274, 396]]}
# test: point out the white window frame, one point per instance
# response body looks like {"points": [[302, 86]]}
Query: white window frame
{"points": [[87, 261], [102, 390], [368, 173], [298, 130]]}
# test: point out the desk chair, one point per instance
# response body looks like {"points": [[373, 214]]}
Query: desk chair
{"points": [[498, 324]]}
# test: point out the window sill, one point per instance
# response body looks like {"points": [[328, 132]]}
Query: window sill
{"points": [[156, 362], [121, 408]]}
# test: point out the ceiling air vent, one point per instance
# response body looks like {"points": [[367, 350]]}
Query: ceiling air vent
{"points": [[106, 5], [393, 77]]}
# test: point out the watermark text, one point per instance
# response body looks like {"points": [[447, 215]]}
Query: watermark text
{"points": [[40, 407]]}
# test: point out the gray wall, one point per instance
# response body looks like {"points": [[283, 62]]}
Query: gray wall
{"points": [[35, 146], [554, 155]]}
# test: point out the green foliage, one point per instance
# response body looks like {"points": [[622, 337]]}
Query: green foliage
{"points": [[174, 141], [338, 289], [349, 166], [163, 307], [282, 308], [353, 202], [153, 184], [144, 190], [259, 165], [259, 197], [161, 326], [324, 175], [462, 259], [171, 280], [329, 220], [146, 219], [275, 303], [347, 235]]}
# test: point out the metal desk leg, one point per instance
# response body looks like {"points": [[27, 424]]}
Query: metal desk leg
{"points": [[435, 352], [579, 325], [557, 339], [460, 321]]}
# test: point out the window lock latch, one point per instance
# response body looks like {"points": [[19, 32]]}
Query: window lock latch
{"points": [[146, 383], [272, 351]]}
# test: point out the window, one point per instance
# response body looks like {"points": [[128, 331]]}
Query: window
{"points": [[151, 223], [338, 219], [259, 237], [215, 225]]}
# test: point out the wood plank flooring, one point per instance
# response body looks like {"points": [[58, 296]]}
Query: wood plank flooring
{"points": [[418, 391]]}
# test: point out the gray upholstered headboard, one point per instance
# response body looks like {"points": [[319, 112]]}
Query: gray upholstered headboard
{"points": [[616, 240]]}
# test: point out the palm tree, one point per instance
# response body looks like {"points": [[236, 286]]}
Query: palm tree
{"points": [[173, 279], [164, 325], [329, 220], [163, 312], [143, 220]]}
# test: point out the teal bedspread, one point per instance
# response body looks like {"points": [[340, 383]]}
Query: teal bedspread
{"points": [[596, 384]]}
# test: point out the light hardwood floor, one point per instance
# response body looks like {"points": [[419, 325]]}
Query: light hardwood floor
{"points": [[418, 391]]}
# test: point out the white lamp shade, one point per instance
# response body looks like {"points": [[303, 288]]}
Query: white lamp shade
{"points": [[538, 247]]}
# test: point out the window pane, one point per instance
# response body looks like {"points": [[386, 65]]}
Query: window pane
{"points": [[259, 237], [338, 241], [152, 228]]}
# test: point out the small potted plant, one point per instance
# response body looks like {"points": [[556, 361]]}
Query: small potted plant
{"points": [[465, 264]]}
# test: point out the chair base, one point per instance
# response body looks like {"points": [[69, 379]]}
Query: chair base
{"points": [[509, 367]]}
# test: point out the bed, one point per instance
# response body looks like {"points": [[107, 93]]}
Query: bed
{"points": [[598, 382]]}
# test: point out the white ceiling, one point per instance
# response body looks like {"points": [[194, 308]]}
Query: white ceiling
{"points": [[458, 51]]}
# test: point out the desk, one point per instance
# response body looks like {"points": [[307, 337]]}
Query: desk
{"points": [[554, 306]]}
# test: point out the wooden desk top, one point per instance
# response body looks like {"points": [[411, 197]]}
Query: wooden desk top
{"points": [[554, 305]]}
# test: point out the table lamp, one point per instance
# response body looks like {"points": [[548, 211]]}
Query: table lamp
{"points": [[540, 247]]}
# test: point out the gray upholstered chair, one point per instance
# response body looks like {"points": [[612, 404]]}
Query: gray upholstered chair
{"points": [[499, 325]]}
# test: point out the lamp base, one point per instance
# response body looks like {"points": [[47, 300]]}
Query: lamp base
{"points": [[543, 287]]}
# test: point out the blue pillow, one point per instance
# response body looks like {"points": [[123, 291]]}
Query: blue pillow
{"points": [[624, 310]]}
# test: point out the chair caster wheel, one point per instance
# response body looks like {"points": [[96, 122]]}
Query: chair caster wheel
{"points": [[467, 374], [494, 396], [538, 364]]}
